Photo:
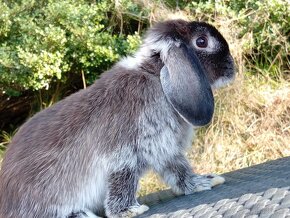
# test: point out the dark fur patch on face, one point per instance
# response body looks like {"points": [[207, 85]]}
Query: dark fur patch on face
{"points": [[184, 31], [217, 63], [174, 29], [197, 28]]}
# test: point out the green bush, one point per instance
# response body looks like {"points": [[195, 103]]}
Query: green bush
{"points": [[42, 42], [47, 41]]}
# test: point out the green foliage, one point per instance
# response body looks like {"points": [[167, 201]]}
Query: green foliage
{"points": [[42, 42], [269, 25], [133, 43]]}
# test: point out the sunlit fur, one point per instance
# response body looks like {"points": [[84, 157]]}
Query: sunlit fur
{"points": [[77, 157]]}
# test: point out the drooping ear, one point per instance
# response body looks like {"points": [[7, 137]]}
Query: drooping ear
{"points": [[186, 86]]}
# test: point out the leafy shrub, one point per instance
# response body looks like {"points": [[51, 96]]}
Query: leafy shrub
{"points": [[42, 42]]}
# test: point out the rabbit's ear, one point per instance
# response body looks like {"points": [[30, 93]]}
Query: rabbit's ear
{"points": [[186, 87]]}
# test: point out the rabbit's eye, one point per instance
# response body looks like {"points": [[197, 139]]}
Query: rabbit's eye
{"points": [[202, 42]]}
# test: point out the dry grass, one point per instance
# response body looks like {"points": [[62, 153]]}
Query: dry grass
{"points": [[251, 125]]}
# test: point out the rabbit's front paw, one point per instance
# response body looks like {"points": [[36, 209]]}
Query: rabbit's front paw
{"points": [[215, 179], [206, 182], [132, 211]]}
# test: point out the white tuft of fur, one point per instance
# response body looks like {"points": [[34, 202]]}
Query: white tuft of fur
{"points": [[152, 44], [133, 62], [138, 209], [216, 180], [222, 82]]}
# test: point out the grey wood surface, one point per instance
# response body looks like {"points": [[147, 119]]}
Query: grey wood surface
{"points": [[258, 191]]}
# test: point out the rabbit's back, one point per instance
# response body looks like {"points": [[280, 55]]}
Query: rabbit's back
{"points": [[61, 153]]}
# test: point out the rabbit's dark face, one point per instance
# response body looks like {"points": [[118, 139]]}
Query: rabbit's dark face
{"points": [[213, 53], [196, 59], [209, 45]]}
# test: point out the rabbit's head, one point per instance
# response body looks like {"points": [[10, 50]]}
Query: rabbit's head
{"points": [[196, 58]]}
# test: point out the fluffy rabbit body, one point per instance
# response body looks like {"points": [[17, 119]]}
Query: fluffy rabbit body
{"points": [[85, 154]]}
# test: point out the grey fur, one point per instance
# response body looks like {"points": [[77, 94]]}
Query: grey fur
{"points": [[88, 151]]}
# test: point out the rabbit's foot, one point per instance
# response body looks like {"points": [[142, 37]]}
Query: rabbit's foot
{"points": [[206, 182], [132, 211], [215, 179]]}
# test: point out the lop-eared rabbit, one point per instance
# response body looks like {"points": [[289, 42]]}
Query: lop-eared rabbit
{"points": [[84, 155]]}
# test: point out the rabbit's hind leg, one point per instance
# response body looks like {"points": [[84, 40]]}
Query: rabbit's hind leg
{"points": [[121, 197]]}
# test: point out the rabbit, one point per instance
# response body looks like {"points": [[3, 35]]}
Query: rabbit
{"points": [[83, 156]]}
